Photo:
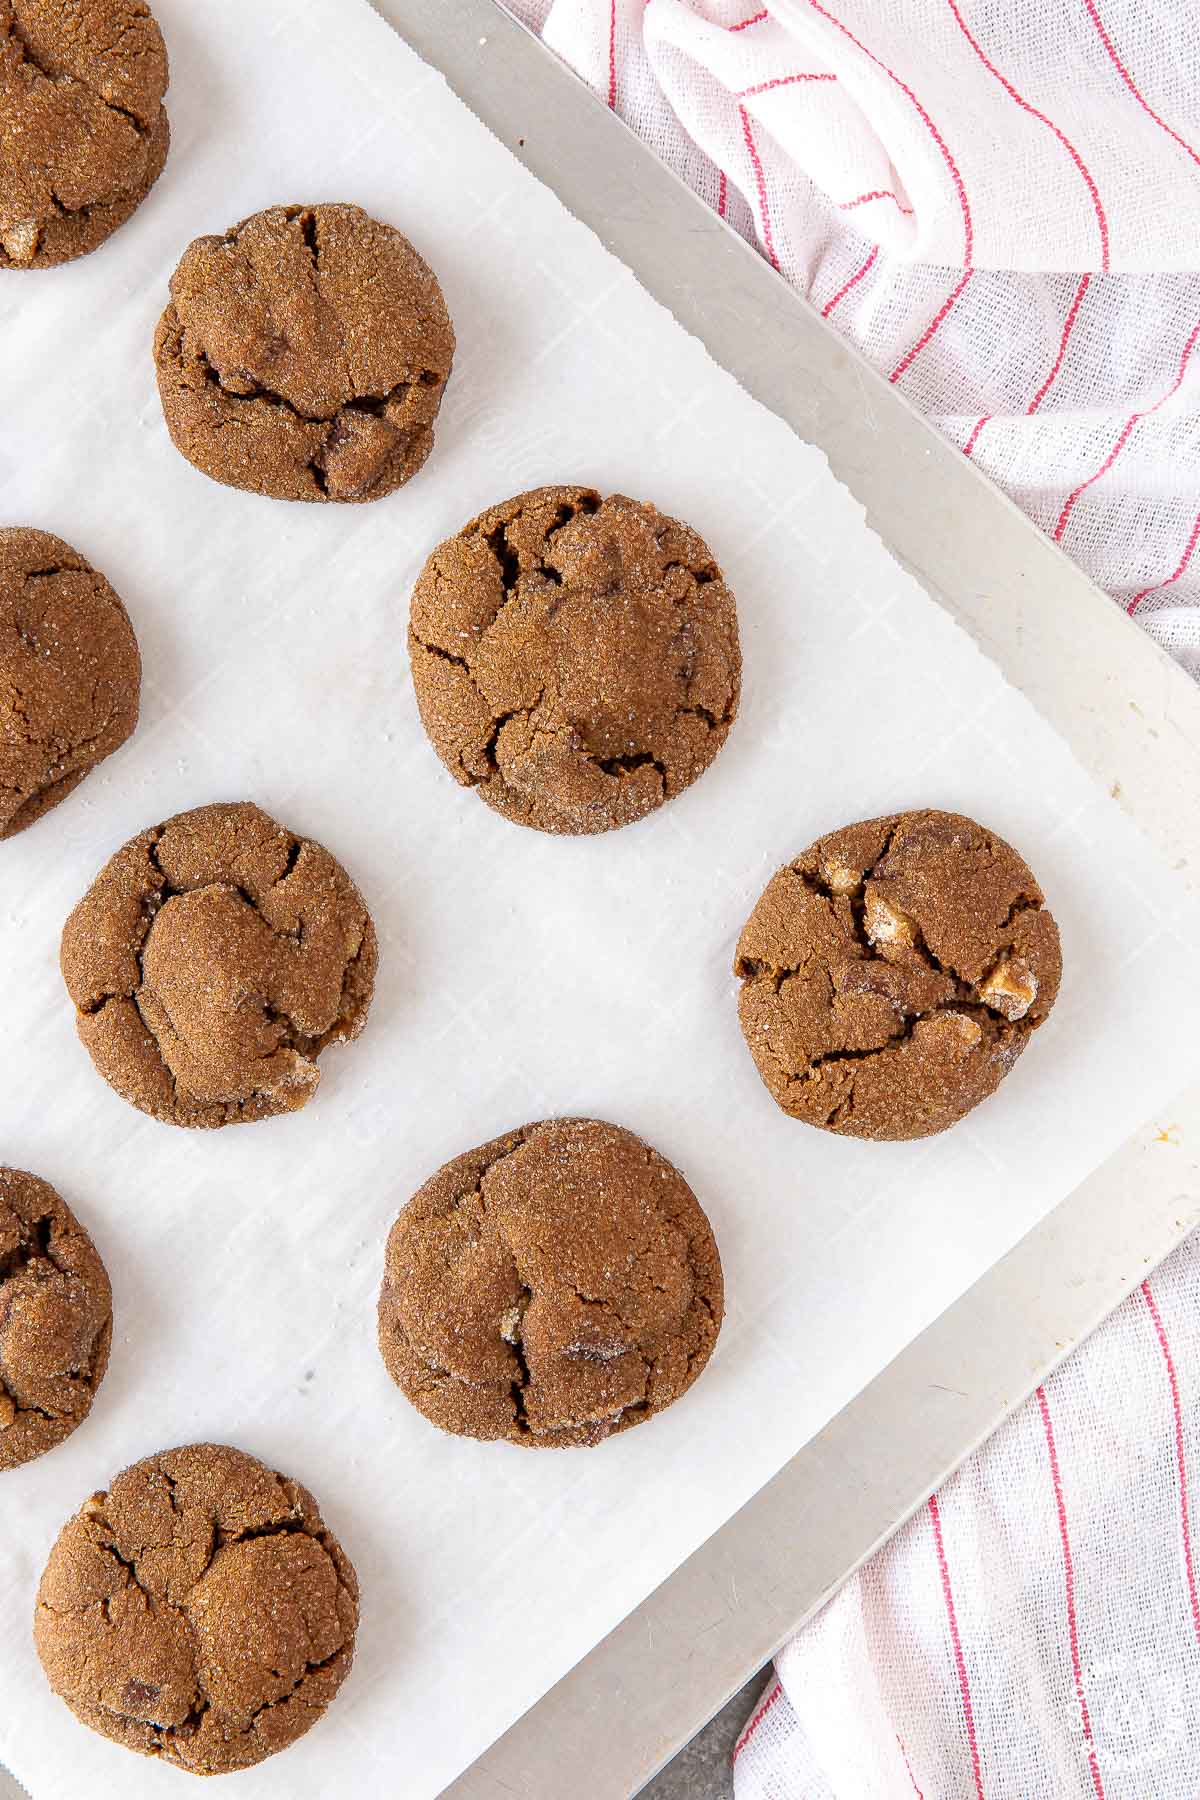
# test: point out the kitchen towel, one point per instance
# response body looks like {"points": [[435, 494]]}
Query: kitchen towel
{"points": [[1033, 1633], [999, 205]]}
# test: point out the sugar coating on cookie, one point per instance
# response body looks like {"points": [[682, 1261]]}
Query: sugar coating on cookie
{"points": [[199, 1611], [211, 962], [575, 659], [70, 673], [83, 134], [552, 1287], [893, 973], [303, 355], [55, 1319]]}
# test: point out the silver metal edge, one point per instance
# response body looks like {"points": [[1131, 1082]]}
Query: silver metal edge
{"points": [[1132, 718]]}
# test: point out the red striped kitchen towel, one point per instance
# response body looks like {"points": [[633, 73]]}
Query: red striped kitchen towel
{"points": [[999, 204], [1034, 1632]]}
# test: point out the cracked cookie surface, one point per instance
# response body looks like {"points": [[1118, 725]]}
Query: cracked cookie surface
{"points": [[552, 1287], [199, 1611], [894, 972], [575, 660], [70, 673], [55, 1319], [83, 134], [303, 355], [211, 962]]}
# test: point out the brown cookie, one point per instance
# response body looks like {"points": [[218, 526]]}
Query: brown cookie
{"points": [[55, 1319], [893, 974], [70, 673], [212, 960], [198, 1611], [575, 659], [83, 134], [304, 355], [553, 1287]]}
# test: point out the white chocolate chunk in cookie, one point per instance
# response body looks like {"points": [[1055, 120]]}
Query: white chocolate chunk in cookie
{"points": [[886, 924], [21, 241], [1010, 989], [839, 876]]}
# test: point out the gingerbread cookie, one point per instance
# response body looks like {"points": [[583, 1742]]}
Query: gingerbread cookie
{"points": [[70, 673], [576, 660], [211, 962], [552, 1287], [83, 134], [304, 355], [55, 1319], [199, 1611], [894, 972]]}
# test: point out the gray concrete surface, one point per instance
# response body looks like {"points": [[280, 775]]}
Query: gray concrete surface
{"points": [[702, 1771]]}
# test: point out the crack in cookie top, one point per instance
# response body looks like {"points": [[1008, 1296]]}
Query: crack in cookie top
{"points": [[304, 354], [893, 973], [83, 134], [575, 659], [198, 1611], [211, 962], [552, 1287]]}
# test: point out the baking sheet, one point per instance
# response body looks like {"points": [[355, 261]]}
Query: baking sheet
{"points": [[520, 976]]}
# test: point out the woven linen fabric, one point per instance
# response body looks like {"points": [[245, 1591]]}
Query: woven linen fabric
{"points": [[999, 204], [1033, 1633]]}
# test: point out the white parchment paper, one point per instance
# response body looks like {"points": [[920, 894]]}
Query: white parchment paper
{"points": [[521, 976]]}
